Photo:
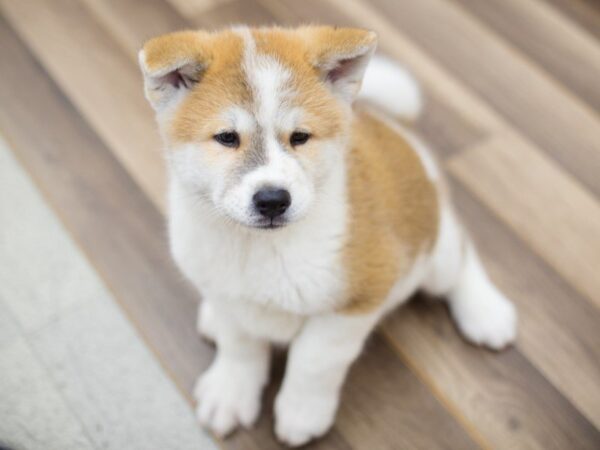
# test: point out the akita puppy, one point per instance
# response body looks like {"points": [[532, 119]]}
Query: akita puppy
{"points": [[301, 218]]}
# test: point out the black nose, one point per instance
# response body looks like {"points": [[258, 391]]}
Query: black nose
{"points": [[272, 202]]}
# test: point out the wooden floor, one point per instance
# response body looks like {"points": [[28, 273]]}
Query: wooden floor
{"points": [[513, 99]]}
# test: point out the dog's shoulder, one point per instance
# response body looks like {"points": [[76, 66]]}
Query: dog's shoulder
{"points": [[393, 205]]}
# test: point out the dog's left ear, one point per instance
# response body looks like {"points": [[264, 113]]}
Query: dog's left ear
{"points": [[341, 56], [172, 65]]}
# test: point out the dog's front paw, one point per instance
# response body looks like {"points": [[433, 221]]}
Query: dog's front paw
{"points": [[301, 416], [490, 320], [227, 397]]}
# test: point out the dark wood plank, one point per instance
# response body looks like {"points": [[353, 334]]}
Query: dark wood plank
{"points": [[525, 97], [559, 330], [504, 396], [385, 406], [584, 12], [123, 235], [545, 36], [103, 84]]}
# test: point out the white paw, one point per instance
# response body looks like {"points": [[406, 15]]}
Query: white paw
{"points": [[300, 417], [206, 322], [489, 320], [227, 395]]}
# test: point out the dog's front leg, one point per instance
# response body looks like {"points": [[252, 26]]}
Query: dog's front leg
{"points": [[229, 393], [318, 360]]}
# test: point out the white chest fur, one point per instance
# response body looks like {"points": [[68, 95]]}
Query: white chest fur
{"points": [[281, 275]]}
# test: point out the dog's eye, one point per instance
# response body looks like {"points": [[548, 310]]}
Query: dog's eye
{"points": [[228, 139], [299, 138]]}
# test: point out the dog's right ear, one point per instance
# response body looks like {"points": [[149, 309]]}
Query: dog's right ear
{"points": [[172, 65]]}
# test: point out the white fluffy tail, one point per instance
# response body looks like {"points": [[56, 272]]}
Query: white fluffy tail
{"points": [[392, 88]]}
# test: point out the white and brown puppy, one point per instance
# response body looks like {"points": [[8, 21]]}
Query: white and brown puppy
{"points": [[301, 219]]}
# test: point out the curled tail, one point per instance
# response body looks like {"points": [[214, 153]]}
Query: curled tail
{"points": [[392, 88]]}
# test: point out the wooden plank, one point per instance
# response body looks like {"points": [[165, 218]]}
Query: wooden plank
{"points": [[544, 205], [93, 194], [132, 22], [192, 8], [501, 394], [386, 406], [558, 328], [444, 129], [523, 94], [246, 12], [100, 80], [585, 12], [547, 37]]}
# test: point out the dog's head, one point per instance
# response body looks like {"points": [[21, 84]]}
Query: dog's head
{"points": [[255, 120]]}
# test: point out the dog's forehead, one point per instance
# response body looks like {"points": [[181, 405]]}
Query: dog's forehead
{"points": [[265, 65], [256, 78]]}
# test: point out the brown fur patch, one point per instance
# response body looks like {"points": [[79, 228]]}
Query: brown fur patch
{"points": [[393, 212], [222, 85], [175, 48]]}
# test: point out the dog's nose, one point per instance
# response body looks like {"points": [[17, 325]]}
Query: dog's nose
{"points": [[272, 202]]}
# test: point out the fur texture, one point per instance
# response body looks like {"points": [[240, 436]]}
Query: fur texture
{"points": [[369, 221]]}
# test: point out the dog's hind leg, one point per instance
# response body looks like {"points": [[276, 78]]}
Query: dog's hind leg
{"points": [[482, 313]]}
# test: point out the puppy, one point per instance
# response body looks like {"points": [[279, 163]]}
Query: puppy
{"points": [[301, 216]]}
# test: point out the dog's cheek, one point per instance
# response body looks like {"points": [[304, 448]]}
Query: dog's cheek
{"points": [[213, 168], [222, 186]]}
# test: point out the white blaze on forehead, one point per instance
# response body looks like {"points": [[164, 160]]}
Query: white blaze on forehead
{"points": [[269, 81], [267, 78]]}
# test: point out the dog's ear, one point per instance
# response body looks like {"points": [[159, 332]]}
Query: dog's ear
{"points": [[341, 56], [172, 64]]}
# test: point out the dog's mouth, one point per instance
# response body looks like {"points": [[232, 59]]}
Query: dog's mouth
{"points": [[270, 224], [261, 223]]}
